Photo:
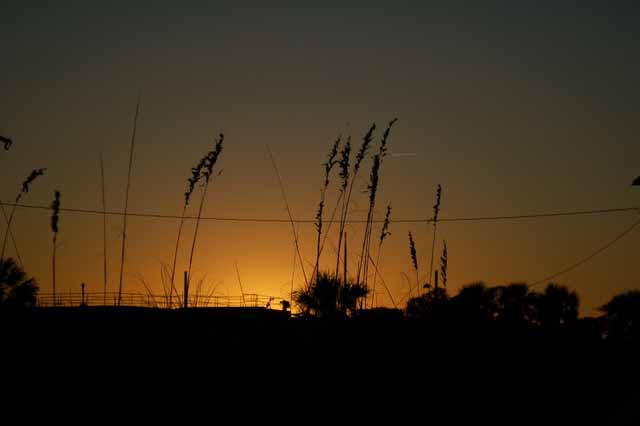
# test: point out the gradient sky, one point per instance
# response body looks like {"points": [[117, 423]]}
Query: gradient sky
{"points": [[512, 107]]}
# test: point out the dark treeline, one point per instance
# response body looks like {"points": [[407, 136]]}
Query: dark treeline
{"points": [[503, 354], [553, 310]]}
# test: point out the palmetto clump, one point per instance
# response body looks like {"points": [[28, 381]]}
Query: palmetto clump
{"points": [[329, 297]]}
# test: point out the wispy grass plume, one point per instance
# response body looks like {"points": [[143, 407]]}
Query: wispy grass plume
{"points": [[328, 166], [345, 153], [207, 172], [196, 174], [7, 142], [414, 259], [373, 190], [26, 184], [444, 262], [436, 212], [350, 180]]}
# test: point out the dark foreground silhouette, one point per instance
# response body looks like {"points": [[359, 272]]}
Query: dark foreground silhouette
{"points": [[489, 355], [459, 371]]}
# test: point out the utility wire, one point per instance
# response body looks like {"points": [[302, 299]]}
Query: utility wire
{"points": [[589, 257], [277, 220]]}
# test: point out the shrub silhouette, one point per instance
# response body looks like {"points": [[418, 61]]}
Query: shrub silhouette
{"points": [[16, 290]]}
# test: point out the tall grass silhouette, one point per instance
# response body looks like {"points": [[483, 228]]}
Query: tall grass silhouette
{"points": [[384, 233], [328, 166], [414, 259], [55, 217], [296, 240], [13, 240], [7, 144], [196, 174], [436, 212], [206, 173], [26, 185], [349, 179], [126, 200], [374, 179], [444, 264], [343, 164], [104, 231]]}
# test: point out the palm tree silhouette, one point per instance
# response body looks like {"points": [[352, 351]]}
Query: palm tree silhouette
{"points": [[516, 305], [476, 302], [329, 297], [557, 306], [622, 315], [16, 290]]}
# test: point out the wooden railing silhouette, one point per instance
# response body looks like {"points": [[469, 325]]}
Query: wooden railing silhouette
{"points": [[70, 299]]}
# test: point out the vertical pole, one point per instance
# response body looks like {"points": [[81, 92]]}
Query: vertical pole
{"points": [[104, 232], [345, 258], [186, 290], [53, 267], [82, 303]]}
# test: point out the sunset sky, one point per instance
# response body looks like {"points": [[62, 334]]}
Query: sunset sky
{"points": [[513, 108]]}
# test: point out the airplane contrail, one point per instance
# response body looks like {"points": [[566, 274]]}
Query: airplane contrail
{"points": [[403, 154]]}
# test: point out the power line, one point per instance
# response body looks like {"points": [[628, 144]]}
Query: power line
{"points": [[277, 220], [589, 257], [537, 215]]}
